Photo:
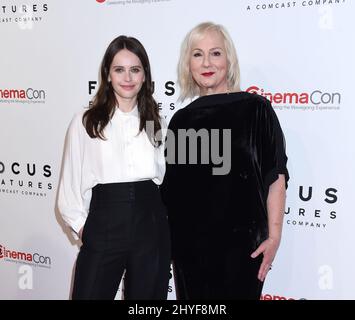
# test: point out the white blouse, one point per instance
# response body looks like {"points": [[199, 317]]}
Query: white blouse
{"points": [[125, 156]]}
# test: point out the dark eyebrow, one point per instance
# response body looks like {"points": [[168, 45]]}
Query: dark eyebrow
{"points": [[119, 66]]}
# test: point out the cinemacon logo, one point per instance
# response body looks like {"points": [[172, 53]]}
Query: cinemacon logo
{"points": [[267, 296], [26, 257], [30, 94], [316, 97]]}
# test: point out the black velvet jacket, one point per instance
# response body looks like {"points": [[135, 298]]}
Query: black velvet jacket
{"points": [[206, 211]]}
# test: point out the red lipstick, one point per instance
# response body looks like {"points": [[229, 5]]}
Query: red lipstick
{"points": [[207, 74]]}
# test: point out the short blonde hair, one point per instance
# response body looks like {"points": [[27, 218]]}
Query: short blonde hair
{"points": [[188, 87]]}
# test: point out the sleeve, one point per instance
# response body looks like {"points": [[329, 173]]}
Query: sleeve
{"points": [[273, 158], [164, 129], [170, 154], [160, 157], [70, 202]]}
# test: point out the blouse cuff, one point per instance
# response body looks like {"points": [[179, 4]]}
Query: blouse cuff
{"points": [[76, 226]]}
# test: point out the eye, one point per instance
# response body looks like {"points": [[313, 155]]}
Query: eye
{"points": [[135, 70], [216, 53], [197, 54], [119, 69]]}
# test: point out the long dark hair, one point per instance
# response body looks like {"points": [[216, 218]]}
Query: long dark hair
{"points": [[96, 118]]}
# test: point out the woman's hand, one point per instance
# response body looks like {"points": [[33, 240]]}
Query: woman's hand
{"points": [[268, 248], [80, 234], [275, 208]]}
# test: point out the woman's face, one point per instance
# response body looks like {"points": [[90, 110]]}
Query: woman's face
{"points": [[126, 75], [208, 63]]}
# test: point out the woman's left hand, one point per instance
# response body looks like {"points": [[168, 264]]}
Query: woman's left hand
{"points": [[268, 248]]}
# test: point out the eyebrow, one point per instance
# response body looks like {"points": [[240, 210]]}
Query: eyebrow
{"points": [[209, 49], [115, 66]]}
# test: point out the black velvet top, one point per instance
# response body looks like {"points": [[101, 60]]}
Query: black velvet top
{"points": [[206, 210]]}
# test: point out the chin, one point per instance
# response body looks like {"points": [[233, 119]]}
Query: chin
{"points": [[206, 85]]}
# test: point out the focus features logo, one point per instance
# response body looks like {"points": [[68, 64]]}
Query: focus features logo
{"points": [[167, 89], [24, 8], [25, 179], [316, 100], [23, 257], [315, 208], [24, 15], [29, 95]]}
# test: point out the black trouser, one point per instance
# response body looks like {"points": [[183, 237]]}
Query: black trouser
{"points": [[126, 229]]}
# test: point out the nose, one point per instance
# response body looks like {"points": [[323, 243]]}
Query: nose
{"points": [[127, 76], [206, 61]]}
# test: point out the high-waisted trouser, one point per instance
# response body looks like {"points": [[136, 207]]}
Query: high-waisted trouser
{"points": [[126, 229]]}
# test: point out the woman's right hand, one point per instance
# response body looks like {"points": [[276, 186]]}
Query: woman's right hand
{"points": [[81, 233], [268, 249]]}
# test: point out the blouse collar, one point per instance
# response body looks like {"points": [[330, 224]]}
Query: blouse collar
{"points": [[133, 112]]}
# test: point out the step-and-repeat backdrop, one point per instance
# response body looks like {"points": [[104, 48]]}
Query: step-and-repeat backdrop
{"points": [[299, 54]]}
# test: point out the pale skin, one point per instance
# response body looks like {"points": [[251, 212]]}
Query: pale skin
{"points": [[126, 76], [209, 67], [275, 208]]}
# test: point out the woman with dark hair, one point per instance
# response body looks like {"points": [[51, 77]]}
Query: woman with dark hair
{"points": [[108, 192]]}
